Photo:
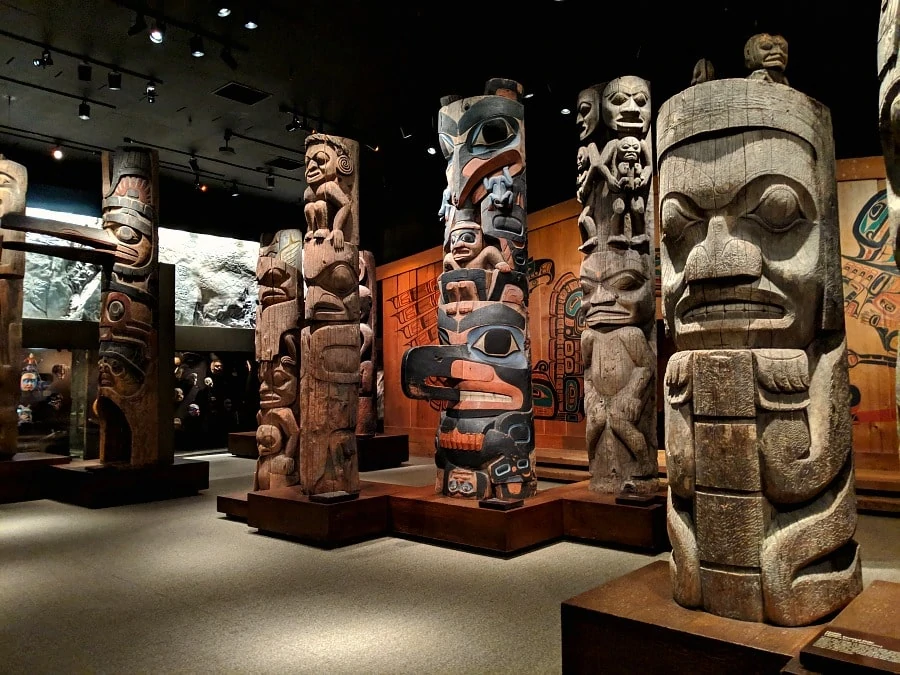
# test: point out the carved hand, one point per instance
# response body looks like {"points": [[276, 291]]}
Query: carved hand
{"points": [[336, 237]]}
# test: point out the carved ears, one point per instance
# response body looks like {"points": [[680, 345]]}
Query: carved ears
{"points": [[344, 165]]}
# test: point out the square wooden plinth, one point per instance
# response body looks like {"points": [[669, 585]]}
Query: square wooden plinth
{"points": [[24, 476], [598, 518], [82, 484], [382, 451], [233, 505], [419, 512], [632, 625], [243, 444], [289, 513]]}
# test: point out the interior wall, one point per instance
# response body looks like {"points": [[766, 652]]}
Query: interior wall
{"points": [[872, 309]]}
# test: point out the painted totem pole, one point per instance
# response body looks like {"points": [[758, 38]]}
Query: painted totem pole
{"points": [[278, 353], [618, 344], [762, 508], [889, 126], [13, 188], [330, 342], [367, 415], [481, 369]]}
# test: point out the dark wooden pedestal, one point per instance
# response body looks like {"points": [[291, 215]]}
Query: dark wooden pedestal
{"points": [[289, 513], [243, 444], [91, 484], [24, 476], [233, 505], [598, 518], [420, 513], [382, 451], [632, 625]]}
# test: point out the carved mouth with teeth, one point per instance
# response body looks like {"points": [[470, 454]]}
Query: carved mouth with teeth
{"points": [[709, 310], [484, 394], [720, 311]]}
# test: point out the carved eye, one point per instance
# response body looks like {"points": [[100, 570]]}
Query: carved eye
{"points": [[491, 133], [778, 208], [626, 281], [446, 145], [127, 236], [502, 470], [640, 99], [584, 108], [618, 98], [497, 342], [677, 214]]}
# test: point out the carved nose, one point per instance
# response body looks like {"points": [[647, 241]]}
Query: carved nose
{"points": [[601, 296], [722, 256]]}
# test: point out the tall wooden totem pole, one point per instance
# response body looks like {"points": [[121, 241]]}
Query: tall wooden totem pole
{"points": [[762, 508], [367, 415], [278, 318], [330, 342], [615, 168], [889, 125], [481, 370], [13, 189]]}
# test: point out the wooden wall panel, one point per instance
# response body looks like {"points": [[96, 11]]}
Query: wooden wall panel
{"points": [[872, 310]]}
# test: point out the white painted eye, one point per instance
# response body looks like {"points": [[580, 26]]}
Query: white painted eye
{"points": [[497, 342]]}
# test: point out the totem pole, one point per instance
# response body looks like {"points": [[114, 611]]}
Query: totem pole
{"points": [[330, 342], [482, 368], [762, 508], [766, 56], [367, 415], [889, 126], [13, 188], [618, 344], [278, 352]]}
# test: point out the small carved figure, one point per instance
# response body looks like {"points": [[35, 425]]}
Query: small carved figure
{"points": [[328, 208], [703, 72], [766, 56], [467, 250]]}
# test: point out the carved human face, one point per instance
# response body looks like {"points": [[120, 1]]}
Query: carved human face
{"points": [[766, 51], [268, 440], [629, 149], [13, 187], [194, 410], [587, 116], [741, 251], [277, 382], [321, 164], [278, 281], [617, 290], [332, 282], [28, 381], [215, 367], [133, 229], [466, 242], [117, 374], [626, 105], [179, 395]]}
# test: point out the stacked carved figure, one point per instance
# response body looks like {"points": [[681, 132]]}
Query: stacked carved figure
{"points": [[480, 372]]}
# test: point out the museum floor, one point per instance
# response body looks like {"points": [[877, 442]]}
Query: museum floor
{"points": [[173, 587]]}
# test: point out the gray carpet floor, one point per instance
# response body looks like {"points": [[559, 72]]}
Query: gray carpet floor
{"points": [[172, 587]]}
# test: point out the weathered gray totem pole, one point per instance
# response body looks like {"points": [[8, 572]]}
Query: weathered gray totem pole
{"points": [[889, 126], [762, 508], [278, 318], [615, 167], [13, 189], [367, 415], [330, 341], [481, 370]]}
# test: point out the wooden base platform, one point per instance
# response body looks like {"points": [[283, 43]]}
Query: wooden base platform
{"points": [[598, 518], [420, 513], [233, 505], [632, 625], [24, 476], [243, 444], [565, 466], [91, 484], [287, 512], [382, 451]]}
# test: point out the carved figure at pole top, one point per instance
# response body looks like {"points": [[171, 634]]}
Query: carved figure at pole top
{"points": [[762, 508], [481, 370], [617, 280], [13, 189], [330, 342], [766, 58], [278, 316]]}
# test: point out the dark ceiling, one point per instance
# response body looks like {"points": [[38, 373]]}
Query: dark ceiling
{"points": [[375, 71]]}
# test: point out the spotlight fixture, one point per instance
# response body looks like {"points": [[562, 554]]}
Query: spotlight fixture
{"points": [[44, 61], [251, 19], [85, 72], [200, 187], [139, 25], [373, 148], [150, 91], [234, 189], [530, 94], [84, 111], [57, 152], [228, 58], [565, 111], [431, 150], [194, 164], [293, 125], [270, 181], [158, 32], [114, 80], [223, 10], [227, 149], [197, 49]]}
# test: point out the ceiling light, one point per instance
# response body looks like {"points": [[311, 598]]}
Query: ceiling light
{"points": [[565, 111], [194, 164], [158, 32], [151, 92], [228, 58], [44, 61], [139, 25], [85, 72], [114, 80], [227, 149], [293, 125], [270, 181], [57, 152], [252, 19], [200, 187], [84, 111], [373, 148], [223, 11], [234, 189], [530, 94], [431, 150], [197, 46]]}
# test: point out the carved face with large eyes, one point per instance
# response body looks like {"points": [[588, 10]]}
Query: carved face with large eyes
{"points": [[134, 248], [628, 150], [626, 105], [766, 51], [741, 252], [277, 382], [587, 115], [332, 283], [321, 164], [616, 290], [13, 187], [466, 242]]}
